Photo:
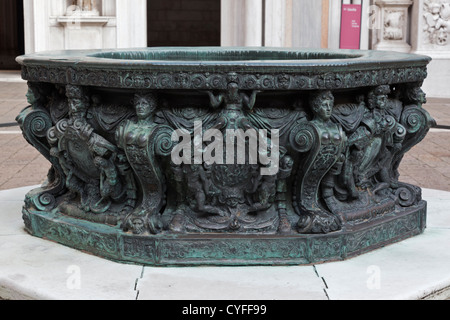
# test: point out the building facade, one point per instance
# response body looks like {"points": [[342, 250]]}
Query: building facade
{"points": [[416, 26]]}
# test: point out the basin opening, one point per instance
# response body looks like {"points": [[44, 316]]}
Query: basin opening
{"points": [[222, 55]]}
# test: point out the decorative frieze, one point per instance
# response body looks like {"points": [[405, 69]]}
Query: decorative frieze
{"points": [[206, 81]]}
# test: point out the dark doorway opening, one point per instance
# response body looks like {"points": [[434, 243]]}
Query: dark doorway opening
{"points": [[12, 39], [183, 23]]}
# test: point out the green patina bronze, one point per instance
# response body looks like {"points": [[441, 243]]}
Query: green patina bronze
{"points": [[343, 121]]}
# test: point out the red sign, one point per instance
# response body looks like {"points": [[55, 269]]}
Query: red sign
{"points": [[350, 26]]}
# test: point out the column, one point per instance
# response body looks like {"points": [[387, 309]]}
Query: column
{"points": [[131, 23], [36, 25], [307, 24], [278, 23], [241, 22]]}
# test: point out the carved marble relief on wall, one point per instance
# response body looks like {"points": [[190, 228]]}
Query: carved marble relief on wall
{"points": [[437, 22], [394, 22], [83, 7]]}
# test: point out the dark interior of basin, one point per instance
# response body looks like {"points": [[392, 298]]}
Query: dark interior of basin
{"points": [[222, 55]]}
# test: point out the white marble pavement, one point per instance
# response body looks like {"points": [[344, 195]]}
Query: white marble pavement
{"points": [[32, 268]]}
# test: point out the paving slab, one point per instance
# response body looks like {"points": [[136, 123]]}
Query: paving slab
{"points": [[231, 283], [33, 268], [412, 269], [36, 269]]}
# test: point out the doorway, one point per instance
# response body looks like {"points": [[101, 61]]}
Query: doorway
{"points": [[12, 39], [183, 23]]}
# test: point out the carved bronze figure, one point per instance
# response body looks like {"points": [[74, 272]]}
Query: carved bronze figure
{"points": [[224, 156]]}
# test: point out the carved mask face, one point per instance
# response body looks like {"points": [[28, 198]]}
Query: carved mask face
{"points": [[144, 108], [381, 101], [31, 96], [324, 109], [287, 162], [138, 226], [417, 95], [232, 202], [76, 106], [421, 97], [442, 38]]}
